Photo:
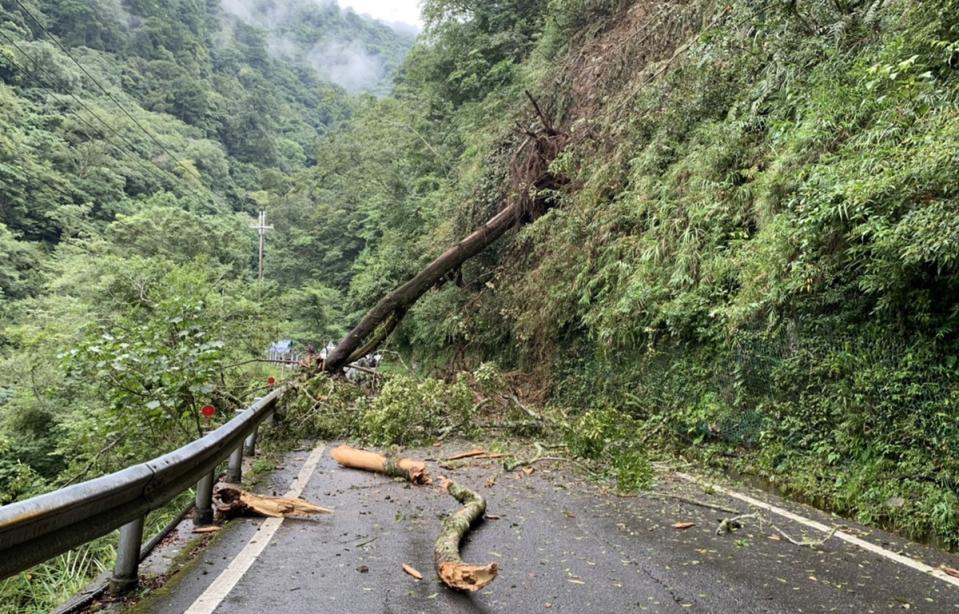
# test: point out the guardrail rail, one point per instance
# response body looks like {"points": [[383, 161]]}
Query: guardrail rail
{"points": [[40, 528]]}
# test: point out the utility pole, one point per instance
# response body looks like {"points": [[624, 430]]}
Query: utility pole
{"points": [[261, 229]]}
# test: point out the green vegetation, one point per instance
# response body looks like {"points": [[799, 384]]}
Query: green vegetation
{"points": [[750, 250], [746, 249], [402, 411], [137, 141]]}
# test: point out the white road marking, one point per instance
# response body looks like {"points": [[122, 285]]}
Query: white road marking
{"points": [[228, 578], [846, 537]]}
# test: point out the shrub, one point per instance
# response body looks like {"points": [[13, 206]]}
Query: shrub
{"points": [[410, 411]]}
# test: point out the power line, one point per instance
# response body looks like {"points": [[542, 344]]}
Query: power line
{"points": [[155, 170], [57, 42], [71, 197]]}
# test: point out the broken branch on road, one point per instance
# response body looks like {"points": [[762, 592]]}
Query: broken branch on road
{"points": [[711, 506], [230, 501], [453, 571], [805, 541]]}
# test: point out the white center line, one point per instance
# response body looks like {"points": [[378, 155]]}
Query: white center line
{"points": [[228, 578], [846, 537]]}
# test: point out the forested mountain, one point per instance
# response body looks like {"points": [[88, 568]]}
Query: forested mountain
{"points": [[742, 241], [137, 140]]}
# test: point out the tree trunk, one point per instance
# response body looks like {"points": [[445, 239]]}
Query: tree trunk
{"points": [[391, 307], [354, 458]]}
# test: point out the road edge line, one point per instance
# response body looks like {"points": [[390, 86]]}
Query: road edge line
{"points": [[846, 537]]}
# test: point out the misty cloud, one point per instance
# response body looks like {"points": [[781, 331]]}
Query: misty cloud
{"points": [[270, 14], [348, 65], [345, 61]]}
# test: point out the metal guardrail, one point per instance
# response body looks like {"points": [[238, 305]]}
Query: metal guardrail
{"points": [[40, 528]]}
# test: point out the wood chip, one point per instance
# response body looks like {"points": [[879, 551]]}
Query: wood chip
{"points": [[528, 470], [684, 525], [491, 517], [951, 571], [412, 571], [210, 529]]}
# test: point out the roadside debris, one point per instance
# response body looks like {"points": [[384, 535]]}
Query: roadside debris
{"points": [[539, 457], [467, 454], [455, 573], [805, 541], [231, 501], [354, 458], [728, 525], [684, 525], [711, 506], [412, 571]]}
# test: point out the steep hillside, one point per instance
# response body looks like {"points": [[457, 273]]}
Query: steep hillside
{"points": [[228, 93], [750, 246]]}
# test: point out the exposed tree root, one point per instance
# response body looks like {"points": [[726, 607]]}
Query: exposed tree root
{"points": [[408, 469], [455, 573]]}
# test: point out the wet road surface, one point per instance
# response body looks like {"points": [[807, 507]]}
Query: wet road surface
{"points": [[561, 545]]}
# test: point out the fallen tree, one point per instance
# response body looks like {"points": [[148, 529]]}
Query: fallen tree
{"points": [[528, 186], [450, 567], [390, 309]]}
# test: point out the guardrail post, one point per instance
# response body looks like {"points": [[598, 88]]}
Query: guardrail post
{"points": [[204, 501], [125, 572], [234, 472], [249, 445]]}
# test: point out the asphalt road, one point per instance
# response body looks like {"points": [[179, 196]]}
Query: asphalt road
{"points": [[561, 546]]}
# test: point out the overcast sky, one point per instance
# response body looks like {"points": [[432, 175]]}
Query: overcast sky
{"points": [[403, 11]]}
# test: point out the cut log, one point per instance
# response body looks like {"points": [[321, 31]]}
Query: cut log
{"points": [[231, 501], [446, 553], [354, 458]]}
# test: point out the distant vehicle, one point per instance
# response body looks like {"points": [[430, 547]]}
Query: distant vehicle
{"points": [[282, 351]]}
